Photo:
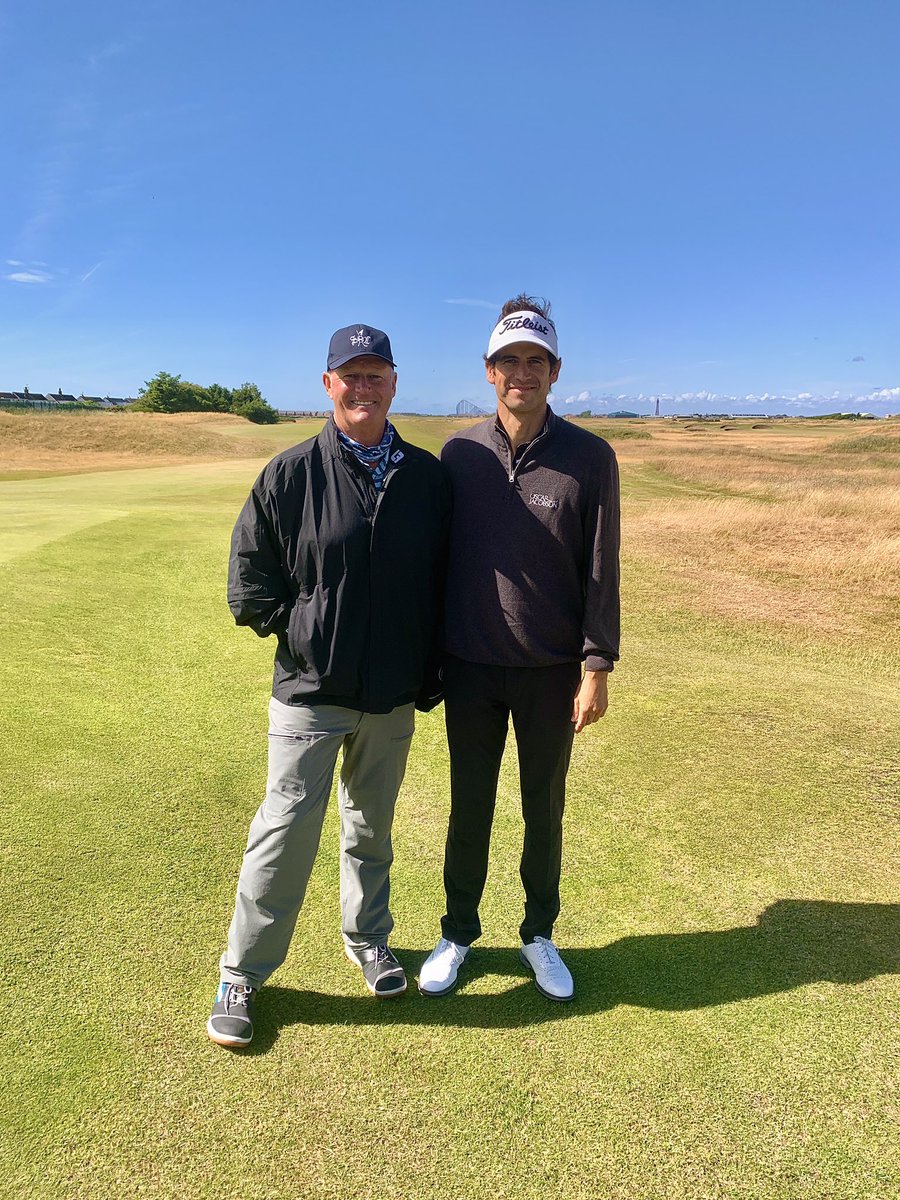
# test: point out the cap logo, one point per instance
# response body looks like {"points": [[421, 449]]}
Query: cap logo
{"points": [[355, 340], [525, 323]]}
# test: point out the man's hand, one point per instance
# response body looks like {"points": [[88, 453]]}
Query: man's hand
{"points": [[591, 700]]}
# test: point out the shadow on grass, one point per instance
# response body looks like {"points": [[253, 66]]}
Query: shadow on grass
{"points": [[794, 942]]}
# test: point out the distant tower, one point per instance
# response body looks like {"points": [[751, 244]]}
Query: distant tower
{"points": [[466, 408], [656, 412]]}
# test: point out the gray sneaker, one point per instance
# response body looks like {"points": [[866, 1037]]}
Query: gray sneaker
{"points": [[382, 972], [231, 1022]]}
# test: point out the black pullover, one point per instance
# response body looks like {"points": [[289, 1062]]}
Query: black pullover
{"points": [[533, 575]]}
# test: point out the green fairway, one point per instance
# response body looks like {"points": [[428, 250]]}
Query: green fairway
{"points": [[730, 908]]}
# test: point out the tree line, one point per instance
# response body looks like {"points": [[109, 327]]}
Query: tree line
{"points": [[166, 393]]}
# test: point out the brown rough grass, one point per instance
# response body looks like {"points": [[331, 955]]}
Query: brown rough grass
{"points": [[797, 527]]}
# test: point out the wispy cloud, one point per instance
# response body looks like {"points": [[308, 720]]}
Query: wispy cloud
{"points": [[110, 50], [86, 276], [476, 303], [72, 125], [858, 358], [28, 277]]}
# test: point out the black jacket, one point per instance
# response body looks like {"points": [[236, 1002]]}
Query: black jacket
{"points": [[347, 578]]}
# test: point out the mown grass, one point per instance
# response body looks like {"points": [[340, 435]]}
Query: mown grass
{"points": [[730, 908]]}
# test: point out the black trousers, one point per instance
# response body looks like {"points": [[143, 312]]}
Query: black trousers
{"points": [[478, 701]]}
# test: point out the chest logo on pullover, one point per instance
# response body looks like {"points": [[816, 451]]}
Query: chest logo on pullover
{"points": [[543, 501]]}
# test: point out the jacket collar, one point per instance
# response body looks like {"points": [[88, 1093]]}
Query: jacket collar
{"points": [[332, 446], [501, 439]]}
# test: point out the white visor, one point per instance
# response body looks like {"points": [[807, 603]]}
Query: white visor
{"points": [[523, 326]]}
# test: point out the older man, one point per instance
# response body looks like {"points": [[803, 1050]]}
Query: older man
{"points": [[338, 552], [532, 595]]}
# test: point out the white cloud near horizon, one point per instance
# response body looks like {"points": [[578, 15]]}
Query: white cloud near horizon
{"points": [[875, 400]]}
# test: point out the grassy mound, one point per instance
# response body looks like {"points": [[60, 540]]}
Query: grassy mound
{"points": [[45, 442], [615, 431]]}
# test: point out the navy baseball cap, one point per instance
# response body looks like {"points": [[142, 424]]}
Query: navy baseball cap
{"points": [[356, 340]]}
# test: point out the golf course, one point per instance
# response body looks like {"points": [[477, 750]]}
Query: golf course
{"points": [[730, 912]]}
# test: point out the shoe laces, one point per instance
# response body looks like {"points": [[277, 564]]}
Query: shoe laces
{"points": [[239, 995], [548, 952], [383, 955], [445, 946]]}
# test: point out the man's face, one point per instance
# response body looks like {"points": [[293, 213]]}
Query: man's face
{"points": [[522, 377], [361, 391]]}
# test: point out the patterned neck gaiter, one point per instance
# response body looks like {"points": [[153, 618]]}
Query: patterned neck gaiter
{"points": [[373, 458]]}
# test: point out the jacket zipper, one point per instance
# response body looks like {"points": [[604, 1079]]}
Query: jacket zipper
{"points": [[514, 467], [392, 471]]}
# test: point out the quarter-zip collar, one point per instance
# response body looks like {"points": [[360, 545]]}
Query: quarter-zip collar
{"points": [[513, 461]]}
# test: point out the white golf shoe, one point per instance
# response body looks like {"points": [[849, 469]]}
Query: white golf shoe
{"points": [[551, 975], [440, 969]]}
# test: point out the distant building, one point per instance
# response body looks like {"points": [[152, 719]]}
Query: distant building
{"points": [[59, 398], [466, 408], [106, 401]]}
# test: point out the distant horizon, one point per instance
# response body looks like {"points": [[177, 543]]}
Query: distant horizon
{"points": [[882, 403]]}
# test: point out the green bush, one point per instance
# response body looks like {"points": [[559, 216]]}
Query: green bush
{"points": [[167, 393]]}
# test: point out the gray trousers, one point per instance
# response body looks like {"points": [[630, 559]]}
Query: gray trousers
{"points": [[304, 740]]}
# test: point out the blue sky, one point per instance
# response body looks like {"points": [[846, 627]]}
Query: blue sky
{"points": [[707, 192]]}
